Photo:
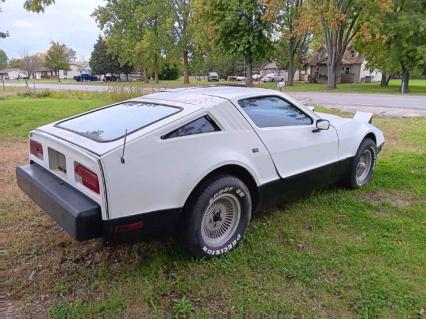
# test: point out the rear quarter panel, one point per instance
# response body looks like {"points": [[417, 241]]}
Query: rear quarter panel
{"points": [[160, 174]]}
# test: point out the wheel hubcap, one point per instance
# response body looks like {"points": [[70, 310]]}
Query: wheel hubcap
{"points": [[220, 220], [363, 167]]}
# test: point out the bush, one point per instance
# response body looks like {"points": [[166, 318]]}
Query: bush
{"points": [[169, 71]]}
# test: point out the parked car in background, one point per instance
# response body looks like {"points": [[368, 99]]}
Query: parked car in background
{"points": [[194, 162], [240, 78], [256, 77], [110, 78], [85, 78], [212, 76], [272, 77]]}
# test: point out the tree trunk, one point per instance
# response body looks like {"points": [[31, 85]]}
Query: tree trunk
{"points": [[249, 80], [405, 80], [384, 81], [333, 64], [388, 79], [59, 78], [185, 67], [156, 69], [290, 79], [146, 75]]}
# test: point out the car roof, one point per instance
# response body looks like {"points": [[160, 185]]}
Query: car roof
{"points": [[207, 96]]}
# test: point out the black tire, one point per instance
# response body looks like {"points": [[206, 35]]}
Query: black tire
{"points": [[351, 180], [191, 226]]}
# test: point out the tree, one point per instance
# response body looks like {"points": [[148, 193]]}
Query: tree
{"points": [[294, 28], [37, 5], [3, 34], [240, 28], [59, 57], [29, 63], [341, 21], [182, 32], [396, 41], [139, 32], [3, 59], [102, 62]]}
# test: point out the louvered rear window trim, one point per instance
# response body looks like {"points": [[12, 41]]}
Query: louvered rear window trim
{"points": [[206, 116]]}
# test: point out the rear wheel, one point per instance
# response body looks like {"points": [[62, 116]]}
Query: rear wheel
{"points": [[363, 165], [217, 217]]}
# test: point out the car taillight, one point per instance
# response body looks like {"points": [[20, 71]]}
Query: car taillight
{"points": [[86, 177], [36, 149]]}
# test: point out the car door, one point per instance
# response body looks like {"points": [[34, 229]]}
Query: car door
{"points": [[290, 135]]}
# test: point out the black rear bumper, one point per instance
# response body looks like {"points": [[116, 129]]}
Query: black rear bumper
{"points": [[79, 215]]}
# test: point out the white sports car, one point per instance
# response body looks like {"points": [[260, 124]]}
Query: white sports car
{"points": [[195, 162]]}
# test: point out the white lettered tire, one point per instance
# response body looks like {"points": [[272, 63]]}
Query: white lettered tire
{"points": [[217, 217]]}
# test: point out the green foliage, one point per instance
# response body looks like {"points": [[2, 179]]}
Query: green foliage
{"points": [[183, 308], [169, 71], [139, 32], [37, 5], [3, 59], [59, 57], [240, 29]]}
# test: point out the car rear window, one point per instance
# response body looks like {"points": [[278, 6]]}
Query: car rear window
{"points": [[110, 123]]}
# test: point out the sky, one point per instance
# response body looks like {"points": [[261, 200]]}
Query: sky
{"points": [[68, 22]]}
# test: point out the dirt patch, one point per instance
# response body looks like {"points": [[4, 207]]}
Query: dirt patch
{"points": [[11, 155], [396, 199]]}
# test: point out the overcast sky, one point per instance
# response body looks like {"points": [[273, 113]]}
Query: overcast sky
{"points": [[68, 21]]}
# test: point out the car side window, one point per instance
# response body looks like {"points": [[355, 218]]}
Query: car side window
{"points": [[199, 126], [272, 111]]}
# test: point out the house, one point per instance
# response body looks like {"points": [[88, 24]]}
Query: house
{"points": [[12, 74], [352, 69], [76, 69], [273, 67]]}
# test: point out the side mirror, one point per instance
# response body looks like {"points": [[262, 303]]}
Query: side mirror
{"points": [[321, 125]]}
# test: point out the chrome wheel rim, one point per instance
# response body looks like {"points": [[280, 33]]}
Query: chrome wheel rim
{"points": [[363, 167], [220, 220]]}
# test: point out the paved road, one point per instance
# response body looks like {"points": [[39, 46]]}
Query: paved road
{"points": [[338, 100]]}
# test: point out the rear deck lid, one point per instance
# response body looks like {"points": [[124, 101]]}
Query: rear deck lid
{"points": [[103, 129]]}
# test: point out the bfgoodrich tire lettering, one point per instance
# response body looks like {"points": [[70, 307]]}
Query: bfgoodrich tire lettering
{"points": [[217, 217], [363, 164]]}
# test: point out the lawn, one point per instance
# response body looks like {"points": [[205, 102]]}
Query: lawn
{"points": [[338, 253], [416, 86]]}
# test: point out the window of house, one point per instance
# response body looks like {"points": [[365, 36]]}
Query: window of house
{"points": [[272, 111], [199, 126], [65, 73], [353, 53]]}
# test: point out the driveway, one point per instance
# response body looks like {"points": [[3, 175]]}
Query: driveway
{"points": [[383, 104]]}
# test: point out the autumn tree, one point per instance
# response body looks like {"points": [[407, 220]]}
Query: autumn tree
{"points": [[3, 59], [239, 28], [59, 57], [341, 21], [29, 63], [294, 27]]}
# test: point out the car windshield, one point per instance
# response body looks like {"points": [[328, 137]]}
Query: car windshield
{"points": [[110, 123]]}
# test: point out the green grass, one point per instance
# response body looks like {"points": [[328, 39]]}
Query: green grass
{"points": [[338, 253], [417, 86]]}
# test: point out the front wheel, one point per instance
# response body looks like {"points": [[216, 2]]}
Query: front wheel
{"points": [[363, 164], [216, 217]]}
